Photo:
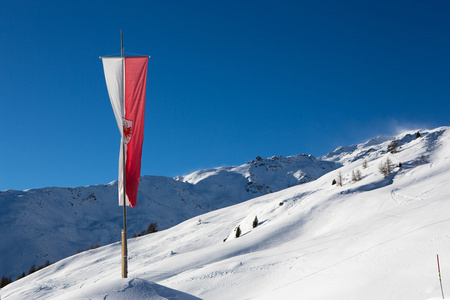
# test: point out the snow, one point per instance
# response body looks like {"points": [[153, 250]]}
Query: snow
{"points": [[119, 289], [376, 238], [54, 223]]}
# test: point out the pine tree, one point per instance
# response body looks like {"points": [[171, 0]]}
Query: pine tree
{"points": [[32, 269], [152, 227], [21, 276], [5, 281], [255, 222], [392, 148], [238, 231]]}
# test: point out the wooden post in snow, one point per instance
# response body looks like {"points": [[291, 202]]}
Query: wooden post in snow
{"points": [[440, 281]]}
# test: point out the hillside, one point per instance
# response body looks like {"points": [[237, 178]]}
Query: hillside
{"points": [[376, 238], [53, 223]]}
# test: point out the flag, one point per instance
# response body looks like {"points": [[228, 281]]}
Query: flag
{"points": [[126, 79]]}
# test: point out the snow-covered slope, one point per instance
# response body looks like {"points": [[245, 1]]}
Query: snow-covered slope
{"points": [[376, 238], [53, 223]]}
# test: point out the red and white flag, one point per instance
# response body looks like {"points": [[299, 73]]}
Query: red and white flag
{"points": [[126, 79]]}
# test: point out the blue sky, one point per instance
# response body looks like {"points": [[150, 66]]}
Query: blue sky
{"points": [[227, 81]]}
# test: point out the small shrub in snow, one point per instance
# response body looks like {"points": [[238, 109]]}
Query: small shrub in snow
{"points": [[255, 222]]}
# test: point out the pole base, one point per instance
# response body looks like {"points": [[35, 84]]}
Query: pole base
{"points": [[124, 255]]}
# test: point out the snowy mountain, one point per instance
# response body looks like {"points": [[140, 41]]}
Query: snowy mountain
{"points": [[372, 238], [53, 223]]}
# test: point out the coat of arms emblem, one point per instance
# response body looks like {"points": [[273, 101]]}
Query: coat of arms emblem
{"points": [[127, 130]]}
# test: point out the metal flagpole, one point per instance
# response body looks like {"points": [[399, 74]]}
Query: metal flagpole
{"points": [[124, 230]]}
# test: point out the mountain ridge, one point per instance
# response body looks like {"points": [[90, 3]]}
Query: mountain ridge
{"points": [[52, 223]]}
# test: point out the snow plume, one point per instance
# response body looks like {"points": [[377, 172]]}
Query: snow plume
{"points": [[403, 127]]}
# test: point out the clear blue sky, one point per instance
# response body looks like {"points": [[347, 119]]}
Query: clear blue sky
{"points": [[227, 81]]}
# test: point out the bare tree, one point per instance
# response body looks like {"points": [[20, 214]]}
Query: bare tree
{"points": [[356, 175], [389, 165], [364, 165], [385, 167], [340, 179]]}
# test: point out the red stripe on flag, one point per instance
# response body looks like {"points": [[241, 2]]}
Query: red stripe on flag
{"points": [[135, 84]]}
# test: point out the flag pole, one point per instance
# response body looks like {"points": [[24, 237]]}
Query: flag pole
{"points": [[124, 230]]}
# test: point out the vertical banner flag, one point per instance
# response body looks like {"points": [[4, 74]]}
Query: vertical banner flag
{"points": [[126, 79]]}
